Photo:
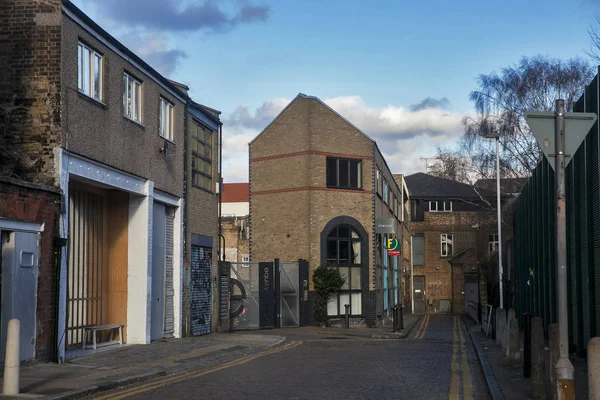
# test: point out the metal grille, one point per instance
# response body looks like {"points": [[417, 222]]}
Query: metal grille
{"points": [[244, 294], [85, 263], [201, 304], [289, 294], [535, 237], [169, 291]]}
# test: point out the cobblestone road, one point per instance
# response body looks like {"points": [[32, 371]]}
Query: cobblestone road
{"points": [[436, 361]]}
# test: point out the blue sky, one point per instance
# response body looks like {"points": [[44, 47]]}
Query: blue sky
{"points": [[373, 64]]}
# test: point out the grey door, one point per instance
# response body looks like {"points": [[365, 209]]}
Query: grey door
{"points": [[159, 229], [19, 287], [419, 294], [472, 295]]}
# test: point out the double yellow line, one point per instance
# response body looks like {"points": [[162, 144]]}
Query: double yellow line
{"points": [[461, 368], [422, 328], [176, 379]]}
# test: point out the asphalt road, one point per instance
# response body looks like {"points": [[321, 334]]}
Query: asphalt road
{"points": [[436, 361]]}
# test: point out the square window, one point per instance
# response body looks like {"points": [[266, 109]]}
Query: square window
{"points": [[343, 173], [433, 206]]}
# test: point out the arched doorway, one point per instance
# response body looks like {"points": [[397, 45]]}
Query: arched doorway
{"points": [[344, 245]]}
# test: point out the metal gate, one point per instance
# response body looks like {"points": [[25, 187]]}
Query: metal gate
{"points": [[201, 304], [85, 262], [244, 296], [289, 295]]}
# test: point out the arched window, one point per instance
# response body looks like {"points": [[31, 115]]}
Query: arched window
{"points": [[344, 253]]}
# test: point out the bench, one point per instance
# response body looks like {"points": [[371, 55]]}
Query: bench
{"points": [[94, 329]]}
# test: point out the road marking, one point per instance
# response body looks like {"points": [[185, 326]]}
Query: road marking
{"points": [[455, 382], [424, 328], [170, 381], [421, 324], [466, 372]]}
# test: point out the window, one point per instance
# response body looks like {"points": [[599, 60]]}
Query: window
{"points": [[344, 173], [493, 243], [166, 119], [378, 180], [418, 248], [386, 192], [446, 244], [439, 206], [245, 258], [201, 144], [89, 74], [344, 253], [132, 98]]}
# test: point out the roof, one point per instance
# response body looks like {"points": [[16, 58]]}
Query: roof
{"points": [[425, 185], [236, 193], [507, 185], [68, 5], [305, 96]]}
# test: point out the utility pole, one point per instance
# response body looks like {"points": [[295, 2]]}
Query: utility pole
{"points": [[569, 131]]}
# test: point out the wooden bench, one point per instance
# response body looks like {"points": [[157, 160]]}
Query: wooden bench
{"points": [[97, 328]]}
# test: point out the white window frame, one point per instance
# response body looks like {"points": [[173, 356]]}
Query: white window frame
{"points": [[130, 84], [86, 74], [446, 239], [386, 192], [493, 244], [245, 259], [431, 209], [166, 125], [449, 208]]}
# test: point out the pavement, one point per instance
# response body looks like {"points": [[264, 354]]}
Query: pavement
{"points": [[118, 366], [505, 379]]}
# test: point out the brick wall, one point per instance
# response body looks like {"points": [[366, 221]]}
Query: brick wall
{"points": [[35, 203], [442, 281], [236, 241], [30, 61]]}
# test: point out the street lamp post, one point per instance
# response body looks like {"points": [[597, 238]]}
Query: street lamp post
{"points": [[496, 135]]}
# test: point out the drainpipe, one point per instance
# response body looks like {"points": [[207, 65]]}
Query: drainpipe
{"points": [[221, 188]]}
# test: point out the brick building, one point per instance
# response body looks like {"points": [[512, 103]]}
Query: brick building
{"points": [[235, 210], [454, 242], [112, 137], [320, 190]]}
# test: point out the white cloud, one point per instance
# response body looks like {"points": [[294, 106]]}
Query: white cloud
{"points": [[403, 134]]}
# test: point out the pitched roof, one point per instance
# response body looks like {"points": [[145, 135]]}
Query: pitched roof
{"points": [[236, 192], [425, 185], [507, 185], [305, 96]]}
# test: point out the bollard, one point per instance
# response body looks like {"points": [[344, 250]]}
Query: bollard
{"points": [[527, 345], [12, 359], [593, 356], [500, 326], [400, 318], [395, 318], [347, 322], [537, 359], [514, 341]]}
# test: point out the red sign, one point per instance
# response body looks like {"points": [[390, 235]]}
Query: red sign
{"points": [[393, 253]]}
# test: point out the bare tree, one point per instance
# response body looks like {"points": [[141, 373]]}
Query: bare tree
{"points": [[452, 164], [594, 32], [534, 84]]}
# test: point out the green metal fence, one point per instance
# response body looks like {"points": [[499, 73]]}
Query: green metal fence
{"points": [[535, 232]]}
